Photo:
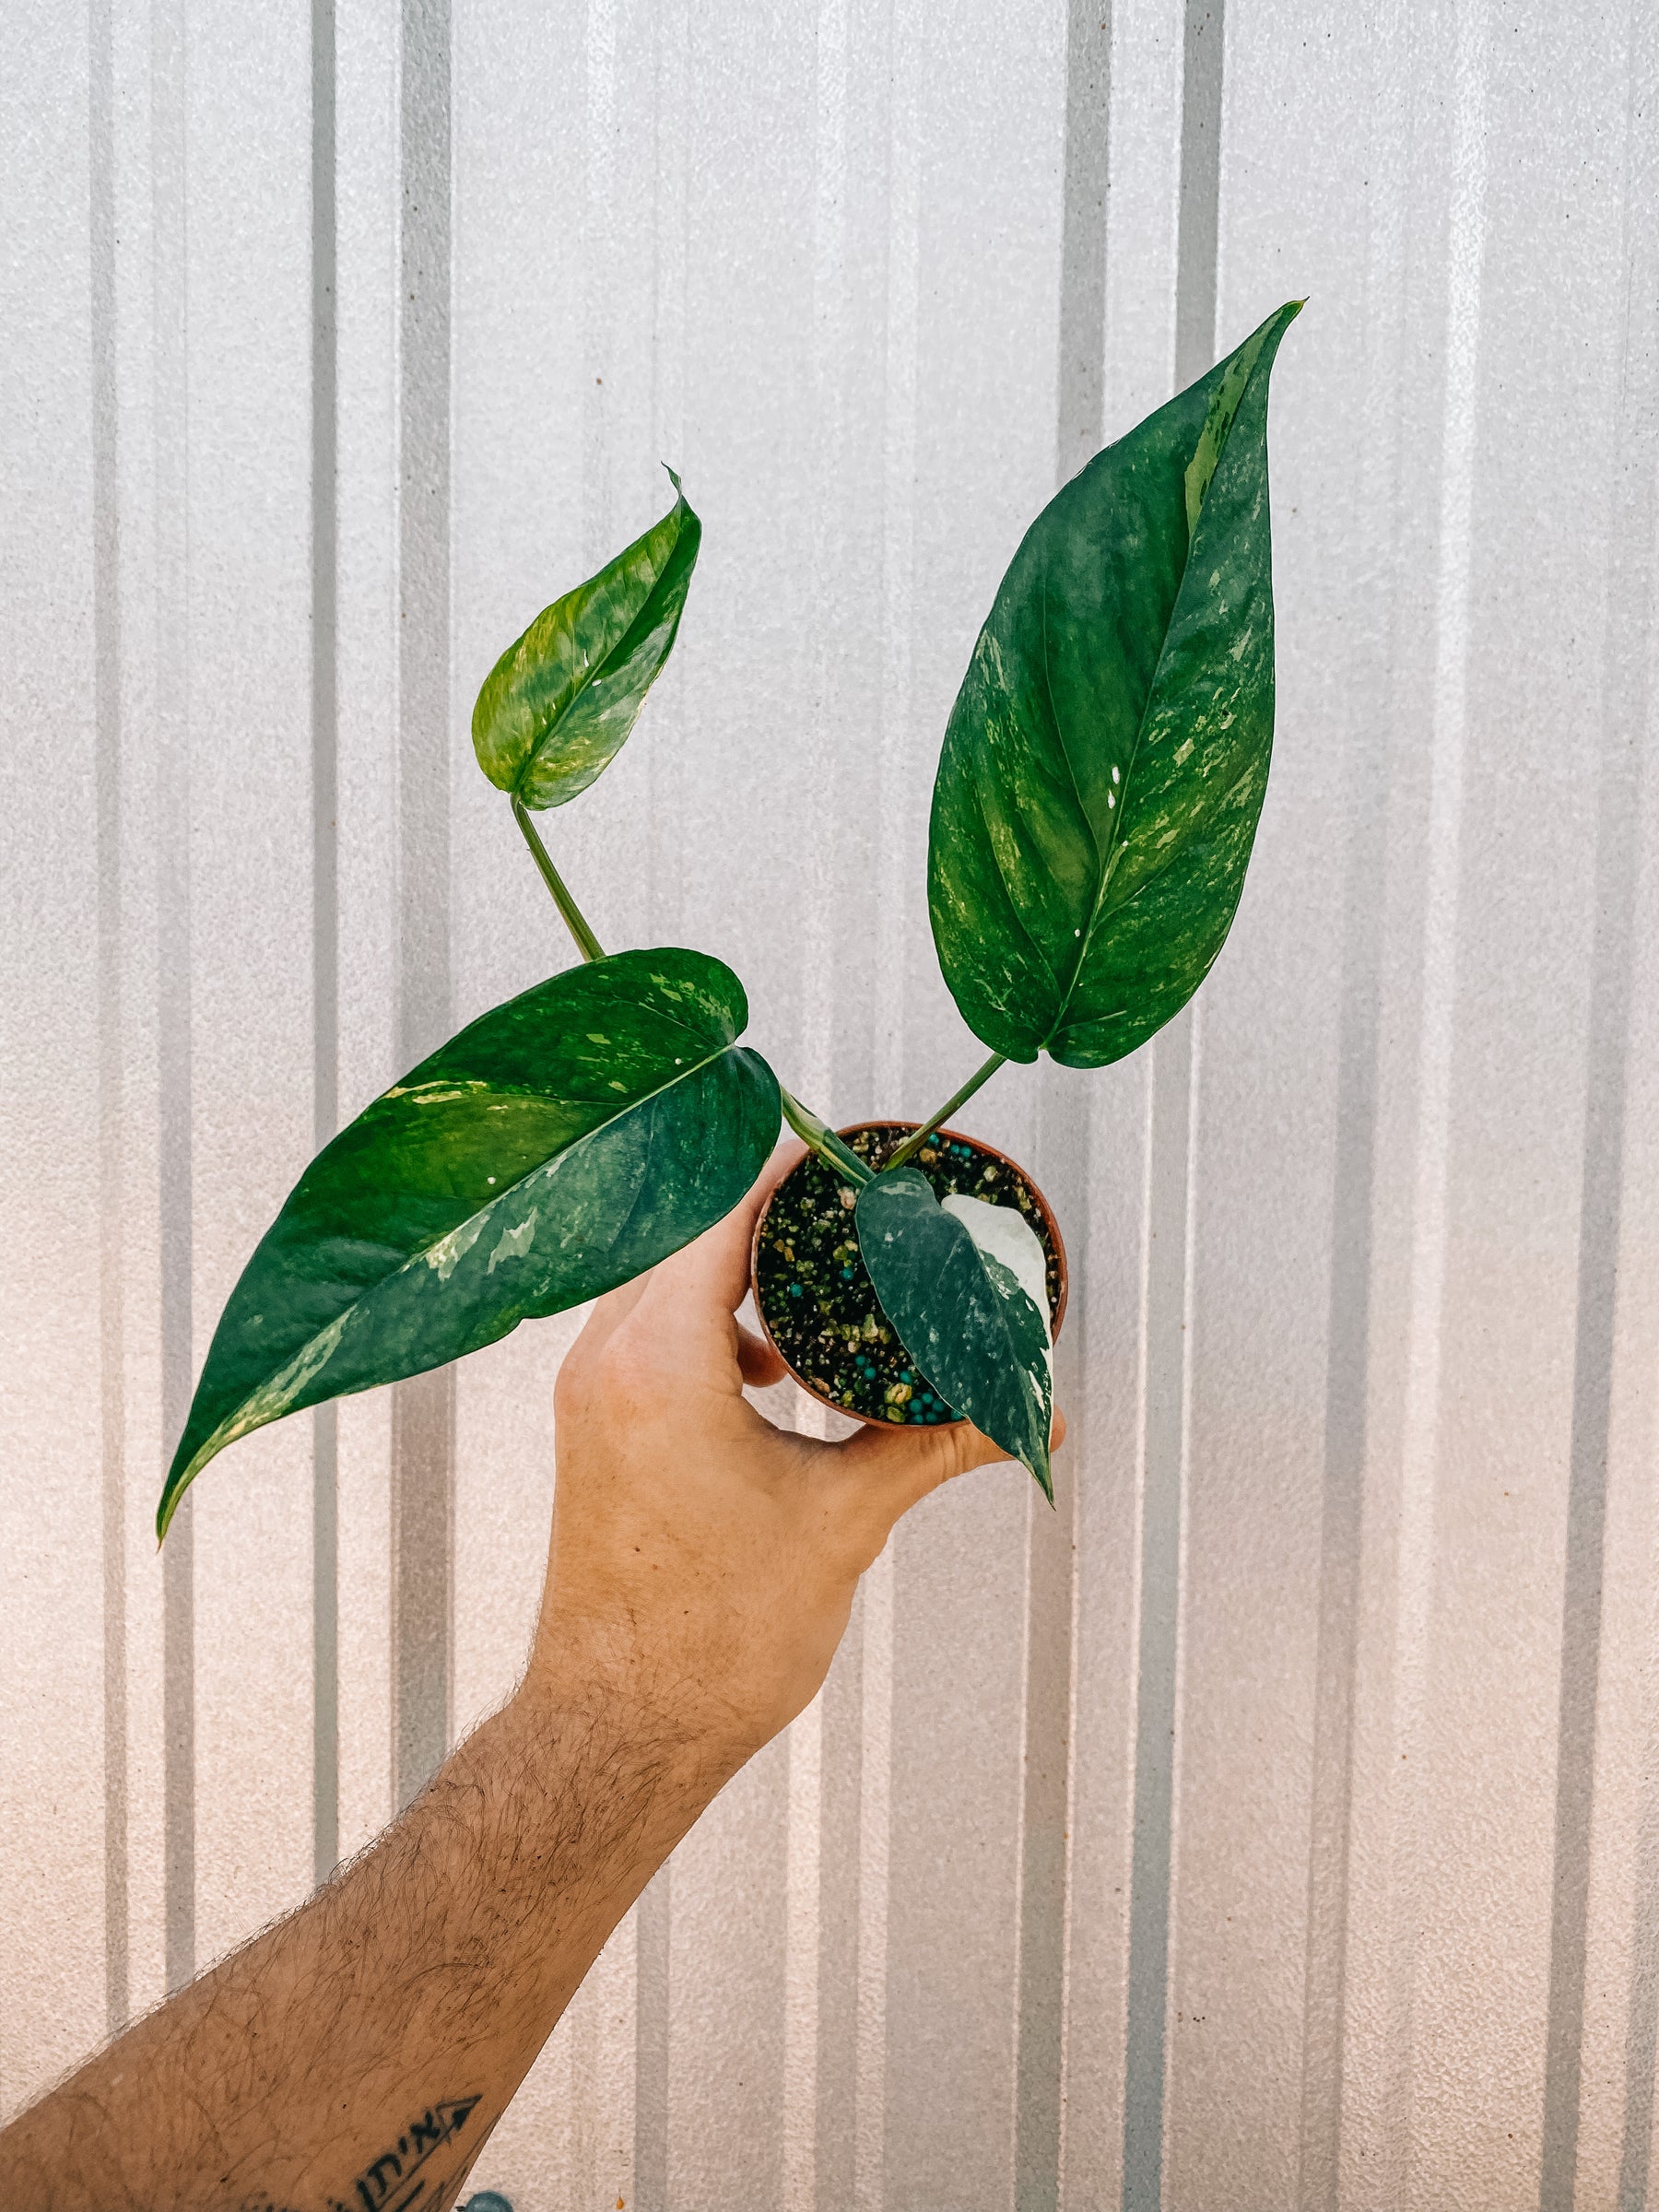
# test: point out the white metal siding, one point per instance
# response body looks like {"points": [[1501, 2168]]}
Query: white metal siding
{"points": [[1278, 1822]]}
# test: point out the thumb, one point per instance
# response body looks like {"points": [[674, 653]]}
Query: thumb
{"points": [[883, 1472]]}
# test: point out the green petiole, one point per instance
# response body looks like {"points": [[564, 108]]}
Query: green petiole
{"points": [[806, 1125], [822, 1139], [575, 921], [918, 1138]]}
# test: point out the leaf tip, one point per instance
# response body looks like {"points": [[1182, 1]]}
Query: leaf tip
{"points": [[173, 1493], [692, 519]]}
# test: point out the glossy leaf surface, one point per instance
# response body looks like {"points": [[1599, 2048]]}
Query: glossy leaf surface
{"points": [[1105, 763], [950, 1282], [556, 1147], [557, 706]]}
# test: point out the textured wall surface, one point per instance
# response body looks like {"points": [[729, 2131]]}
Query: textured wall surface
{"points": [[1277, 1823]]}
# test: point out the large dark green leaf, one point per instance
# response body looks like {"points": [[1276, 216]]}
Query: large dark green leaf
{"points": [[1107, 755], [949, 1278], [557, 707], [556, 1147]]}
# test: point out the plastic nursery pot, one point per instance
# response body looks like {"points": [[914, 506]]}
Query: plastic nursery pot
{"points": [[816, 1302]]}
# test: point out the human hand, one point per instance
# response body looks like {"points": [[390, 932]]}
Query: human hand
{"points": [[704, 1560]]}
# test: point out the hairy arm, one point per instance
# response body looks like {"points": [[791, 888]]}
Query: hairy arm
{"points": [[355, 2057]]}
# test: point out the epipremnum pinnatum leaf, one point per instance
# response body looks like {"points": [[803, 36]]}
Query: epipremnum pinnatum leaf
{"points": [[1106, 758], [556, 1147], [959, 1290], [557, 706]]}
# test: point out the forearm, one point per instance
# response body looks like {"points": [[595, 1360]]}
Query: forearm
{"points": [[370, 2042], [353, 2058]]}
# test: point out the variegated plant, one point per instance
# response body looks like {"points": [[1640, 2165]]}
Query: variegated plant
{"points": [[1102, 773]]}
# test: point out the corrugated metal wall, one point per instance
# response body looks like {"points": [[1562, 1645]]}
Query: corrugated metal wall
{"points": [[1275, 1824]]}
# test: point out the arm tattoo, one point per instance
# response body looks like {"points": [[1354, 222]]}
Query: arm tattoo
{"points": [[402, 2179]]}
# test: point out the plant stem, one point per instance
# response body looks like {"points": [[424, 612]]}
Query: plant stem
{"points": [[823, 1140], [801, 1119], [914, 1142], [575, 921]]}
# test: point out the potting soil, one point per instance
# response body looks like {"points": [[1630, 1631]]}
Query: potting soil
{"points": [[816, 1298]]}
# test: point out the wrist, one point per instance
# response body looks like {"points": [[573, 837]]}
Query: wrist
{"points": [[595, 1680]]}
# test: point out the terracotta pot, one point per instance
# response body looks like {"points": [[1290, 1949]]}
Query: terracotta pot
{"points": [[959, 1136]]}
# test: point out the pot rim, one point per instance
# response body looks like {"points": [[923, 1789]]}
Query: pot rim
{"points": [[893, 1121]]}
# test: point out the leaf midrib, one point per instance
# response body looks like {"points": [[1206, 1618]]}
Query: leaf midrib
{"points": [[592, 676], [927, 1201], [418, 1254], [1097, 916]]}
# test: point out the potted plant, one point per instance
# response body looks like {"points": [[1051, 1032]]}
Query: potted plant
{"points": [[1097, 792]]}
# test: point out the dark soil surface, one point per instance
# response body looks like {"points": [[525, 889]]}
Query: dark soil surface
{"points": [[819, 1303]]}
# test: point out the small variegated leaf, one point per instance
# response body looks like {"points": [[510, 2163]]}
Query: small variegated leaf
{"points": [[963, 1284], [557, 706]]}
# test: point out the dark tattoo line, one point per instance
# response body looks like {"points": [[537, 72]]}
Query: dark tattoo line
{"points": [[394, 2182]]}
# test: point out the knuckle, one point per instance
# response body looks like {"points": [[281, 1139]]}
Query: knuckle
{"points": [[574, 1397], [950, 1453], [570, 1384], [626, 1368]]}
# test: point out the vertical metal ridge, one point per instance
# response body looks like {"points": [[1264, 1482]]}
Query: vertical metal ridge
{"points": [[1632, 675], [1353, 1200], [875, 1842], [653, 1986], [599, 53], [326, 1643], [814, 1739], [169, 95], [839, 1873], [106, 682], [894, 807], [1426, 1292], [1168, 1289], [671, 29], [422, 1536], [1342, 1507], [1051, 1535], [1630, 460], [423, 1408], [325, 1030], [1642, 2034], [1152, 1866], [178, 1578], [816, 932], [1198, 244], [1050, 1644], [900, 317], [654, 1924], [1617, 859], [1087, 175], [803, 1870]]}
